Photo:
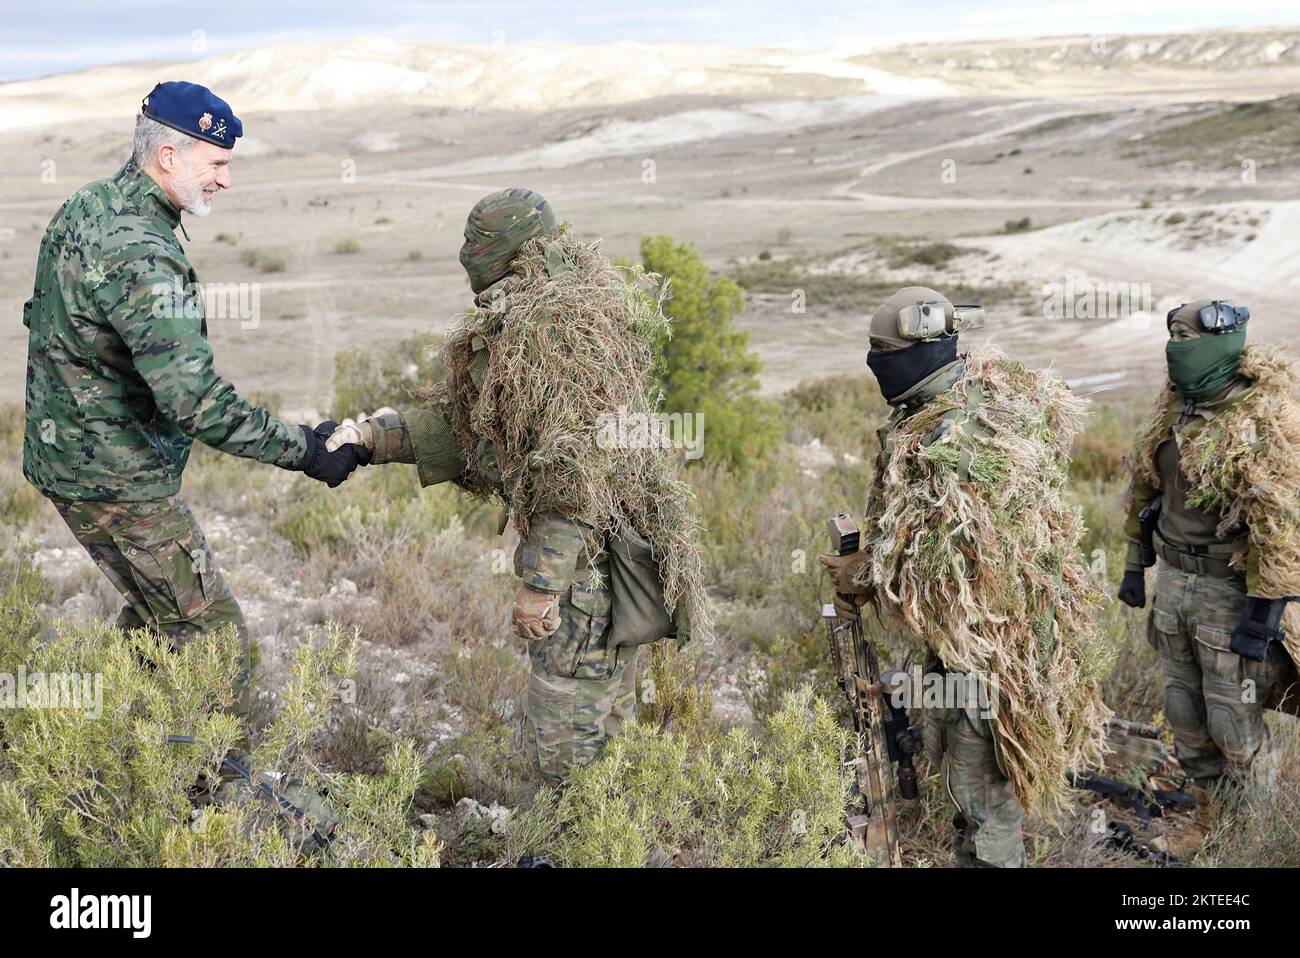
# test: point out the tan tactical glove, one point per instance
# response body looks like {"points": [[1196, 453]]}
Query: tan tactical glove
{"points": [[536, 614], [361, 433], [848, 594], [383, 434]]}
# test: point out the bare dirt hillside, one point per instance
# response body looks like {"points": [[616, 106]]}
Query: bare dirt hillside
{"points": [[801, 170]]}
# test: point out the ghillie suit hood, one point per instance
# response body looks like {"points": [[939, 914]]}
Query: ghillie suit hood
{"points": [[570, 344], [1245, 465], [977, 550]]}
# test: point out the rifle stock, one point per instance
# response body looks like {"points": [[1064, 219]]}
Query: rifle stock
{"points": [[881, 725]]}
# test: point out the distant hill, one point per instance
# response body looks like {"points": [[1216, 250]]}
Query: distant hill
{"points": [[544, 77]]}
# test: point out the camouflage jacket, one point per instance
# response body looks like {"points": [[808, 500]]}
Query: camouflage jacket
{"points": [[120, 378]]}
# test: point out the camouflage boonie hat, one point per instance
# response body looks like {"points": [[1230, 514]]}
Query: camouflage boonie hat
{"points": [[498, 225]]}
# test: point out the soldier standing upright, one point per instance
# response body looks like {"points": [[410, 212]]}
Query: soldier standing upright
{"points": [[582, 684], [969, 544], [120, 377], [1215, 497]]}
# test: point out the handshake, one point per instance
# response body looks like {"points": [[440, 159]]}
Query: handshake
{"points": [[334, 451]]}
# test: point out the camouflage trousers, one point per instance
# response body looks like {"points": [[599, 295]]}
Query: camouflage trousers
{"points": [[579, 692], [155, 554], [989, 818], [1213, 698]]}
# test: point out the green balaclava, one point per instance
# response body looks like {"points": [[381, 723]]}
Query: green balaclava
{"points": [[1201, 367], [498, 225]]}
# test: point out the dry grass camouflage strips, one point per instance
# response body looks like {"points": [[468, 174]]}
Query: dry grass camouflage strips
{"points": [[572, 338], [989, 571], [1246, 465]]}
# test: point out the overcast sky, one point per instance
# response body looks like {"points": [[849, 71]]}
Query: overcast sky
{"points": [[38, 38]]}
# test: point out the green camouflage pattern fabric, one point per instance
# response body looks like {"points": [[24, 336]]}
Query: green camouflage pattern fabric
{"points": [[497, 226], [392, 438], [157, 557], [120, 376], [579, 692], [989, 819], [1213, 698]]}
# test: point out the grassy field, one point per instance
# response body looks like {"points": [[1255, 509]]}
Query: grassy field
{"points": [[387, 677]]}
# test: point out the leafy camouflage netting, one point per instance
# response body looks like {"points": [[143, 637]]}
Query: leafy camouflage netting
{"points": [[989, 572], [572, 342], [1246, 466]]}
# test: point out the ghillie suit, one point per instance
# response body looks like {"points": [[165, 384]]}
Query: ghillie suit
{"points": [[974, 545], [543, 373], [1244, 465]]}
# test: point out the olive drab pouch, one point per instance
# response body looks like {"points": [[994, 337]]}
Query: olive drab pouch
{"points": [[639, 613]]}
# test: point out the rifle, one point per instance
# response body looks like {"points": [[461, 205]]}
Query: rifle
{"points": [[882, 726], [321, 837], [1147, 804]]}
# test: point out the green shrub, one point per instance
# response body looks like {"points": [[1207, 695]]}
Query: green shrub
{"points": [[102, 786], [936, 255], [347, 246], [385, 375], [735, 800], [707, 367]]}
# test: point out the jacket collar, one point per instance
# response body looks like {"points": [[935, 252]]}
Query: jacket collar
{"points": [[938, 381], [141, 188]]}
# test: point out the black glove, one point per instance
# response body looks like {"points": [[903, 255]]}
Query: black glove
{"points": [[330, 468], [1261, 623], [1133, 590]]}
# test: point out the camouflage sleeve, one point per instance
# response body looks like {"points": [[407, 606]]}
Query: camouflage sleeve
{"points": [[392, 439], [433, 445], [547, 560], [142, 294]]}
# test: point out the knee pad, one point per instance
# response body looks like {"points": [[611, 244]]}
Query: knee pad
{"points": [[1184, 710]]}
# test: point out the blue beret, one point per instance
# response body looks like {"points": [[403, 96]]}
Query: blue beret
{"points": [[195, 110]]}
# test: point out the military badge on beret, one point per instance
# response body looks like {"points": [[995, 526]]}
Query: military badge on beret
{"points": [[205, 122]]}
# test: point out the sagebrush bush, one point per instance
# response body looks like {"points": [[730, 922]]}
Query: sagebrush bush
{"points": [[384, 375], [733, 800], [94, 781]]}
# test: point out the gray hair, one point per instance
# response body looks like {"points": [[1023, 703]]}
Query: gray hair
{"points": [[150, 135]]}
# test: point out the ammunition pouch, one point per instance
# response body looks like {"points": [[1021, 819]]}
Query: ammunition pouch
{"points": [[638, 613]]}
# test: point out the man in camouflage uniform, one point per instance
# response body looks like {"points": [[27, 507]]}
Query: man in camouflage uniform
{"points": [[1199, 608], [120, 377], [579, 693], [989, 817]]}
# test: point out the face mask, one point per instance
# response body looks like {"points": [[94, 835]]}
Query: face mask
{"points": [[1201, 367], [899, 370]]}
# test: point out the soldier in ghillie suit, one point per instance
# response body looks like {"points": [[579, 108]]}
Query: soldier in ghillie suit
{"points": [[559, 342], [971, 545], [120, 377], [1215, 506]]}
